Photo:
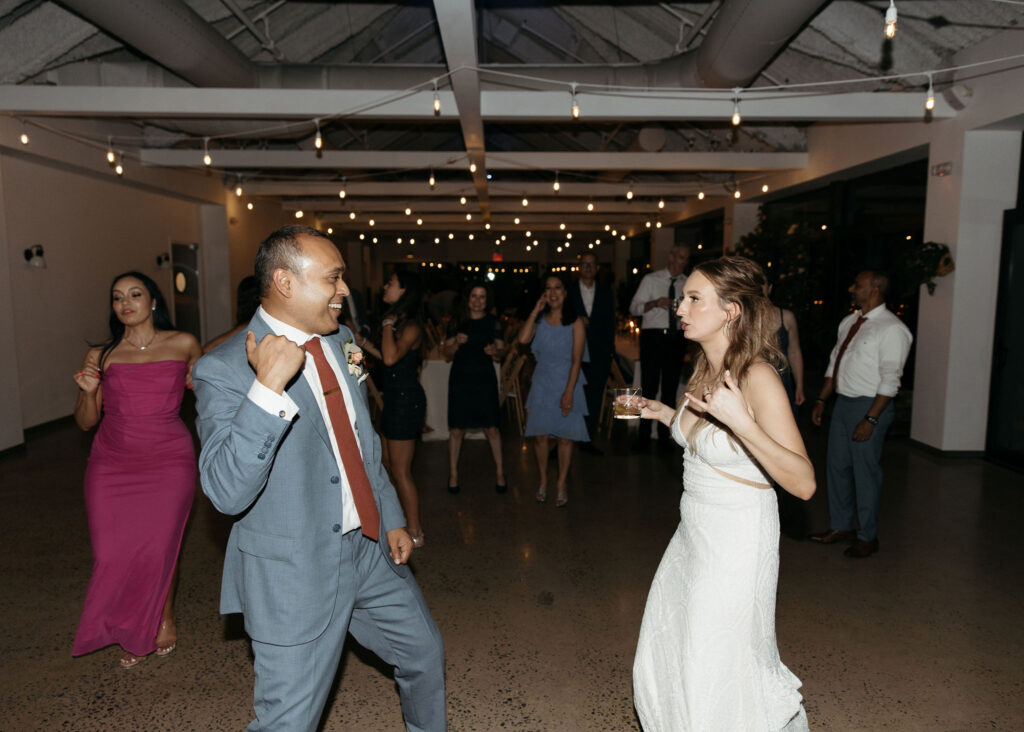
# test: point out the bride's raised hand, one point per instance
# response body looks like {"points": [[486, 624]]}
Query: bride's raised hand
{"points": [[725, 403]]}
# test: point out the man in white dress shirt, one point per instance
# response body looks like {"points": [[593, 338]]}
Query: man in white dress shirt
{"points": [[864, 370], [662, 346]]}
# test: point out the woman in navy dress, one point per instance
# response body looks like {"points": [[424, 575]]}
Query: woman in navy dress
{"points": [[474, 344], [405, 403], [556, 404]]}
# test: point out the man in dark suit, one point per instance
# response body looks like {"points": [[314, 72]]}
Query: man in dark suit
{"points": [[595, 303], [319, 545]]}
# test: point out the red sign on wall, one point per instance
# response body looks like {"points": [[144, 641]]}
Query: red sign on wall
{"points": [[497, 257]]}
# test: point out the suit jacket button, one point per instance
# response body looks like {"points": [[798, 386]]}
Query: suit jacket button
{"points": [[262, 455], [281, 414], [336, 528], [335, 479]]}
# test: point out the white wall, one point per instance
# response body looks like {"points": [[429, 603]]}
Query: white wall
{"points": [[10, 394]]}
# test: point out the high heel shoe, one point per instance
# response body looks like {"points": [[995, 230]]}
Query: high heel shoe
{"points": [[562, 499], [166, 649], [501, 487], [542, 494], [130, 660]]}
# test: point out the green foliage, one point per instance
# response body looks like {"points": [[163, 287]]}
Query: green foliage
{"points": [[920, 263]]}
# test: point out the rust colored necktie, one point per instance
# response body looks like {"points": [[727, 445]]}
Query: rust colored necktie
{"points": [[351, 458], [846, 342]]}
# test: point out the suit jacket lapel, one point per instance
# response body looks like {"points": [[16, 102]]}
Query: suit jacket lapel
{"points": [[362, 415]]}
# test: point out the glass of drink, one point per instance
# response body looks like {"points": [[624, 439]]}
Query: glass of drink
{"points": [[626, 403]]}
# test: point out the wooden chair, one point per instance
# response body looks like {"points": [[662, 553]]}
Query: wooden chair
{"points": [[512, 393]]}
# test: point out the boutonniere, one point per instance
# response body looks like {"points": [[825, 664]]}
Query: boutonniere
{"points": [[354, 358]]}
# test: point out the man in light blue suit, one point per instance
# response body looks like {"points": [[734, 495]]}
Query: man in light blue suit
{"points": [[311, 556]]}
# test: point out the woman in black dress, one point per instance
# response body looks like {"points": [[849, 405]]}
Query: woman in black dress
{"points": [[405, 403], [473, 345]]}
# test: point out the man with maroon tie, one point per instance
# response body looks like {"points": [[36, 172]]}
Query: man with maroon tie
{"points": [[319, 545], [864, 371]]}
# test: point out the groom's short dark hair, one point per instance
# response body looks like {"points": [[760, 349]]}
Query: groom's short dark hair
{"points": [[280, 250]]}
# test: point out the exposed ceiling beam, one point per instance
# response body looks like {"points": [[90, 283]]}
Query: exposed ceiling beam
{"points": [[576, 207], [439, 160], [358, 190], [507, 105], [457, 21]]}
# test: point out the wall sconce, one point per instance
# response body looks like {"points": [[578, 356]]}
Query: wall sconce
{"points": [[34, 256], [163, 261]]}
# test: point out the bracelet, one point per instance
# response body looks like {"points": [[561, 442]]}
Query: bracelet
{"points": [[819, 400], [387, 324], [871, 420]]}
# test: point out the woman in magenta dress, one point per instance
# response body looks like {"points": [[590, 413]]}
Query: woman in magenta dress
{"points": [[141, 475]]}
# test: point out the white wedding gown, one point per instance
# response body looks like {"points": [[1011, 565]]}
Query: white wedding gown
{"points": [[707, 659]]}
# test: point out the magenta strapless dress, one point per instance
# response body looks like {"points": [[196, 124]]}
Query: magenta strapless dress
{"points": [[139, 487]]}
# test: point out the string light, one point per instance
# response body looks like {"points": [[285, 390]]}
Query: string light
{"points": [[111, 158], [929, 102], [561, 227], [590, 205], [472, 167], [238, 190], [629, 192], [437, 100], [119, 169], [736, 119], [487, 226], [575, 104], [372, 222], [419, 222], [299, 214], [736, 193], [647, 224], [661, 203], [451, 235], [469, 217], [700, 196], [516, 220], [555, 187], [318, 141], [529, 234], [471, 237], [341, 191], [249, 206], [23, 137], [431, 181], [330, 229], [362, 237], [764, 188], [607, 227], [352, 216], [525, 201], [207, 160], [657, 225], [890, 20], [408, 211]]}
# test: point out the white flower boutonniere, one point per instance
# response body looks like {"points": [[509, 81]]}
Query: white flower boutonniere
{"points": [[354, 358]]}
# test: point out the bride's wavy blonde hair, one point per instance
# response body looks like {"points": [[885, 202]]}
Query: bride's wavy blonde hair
{"points": [[753, 334]]}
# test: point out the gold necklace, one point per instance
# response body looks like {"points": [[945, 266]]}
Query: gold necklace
{"points": [[143, 347]]}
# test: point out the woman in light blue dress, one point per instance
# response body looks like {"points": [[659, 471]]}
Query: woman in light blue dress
{"points": [[556, 404]]}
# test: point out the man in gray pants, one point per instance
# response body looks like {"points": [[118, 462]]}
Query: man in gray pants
{"points": [[864, 370]]}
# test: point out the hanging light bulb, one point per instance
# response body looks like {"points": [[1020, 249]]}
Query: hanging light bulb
{"points": [[462, 200], [431, 181], [736, 193], [657, 224], [111, 158], [764, 188], [471, 237], [629, 192], [330, 229], [469, 217], [23, 138], [516, 219], [408, 211], [647, 224], [299, 214], [575, 104], [736, 119], [487, 226], [561, 227], [238, 190], [890, 20], [419, 222], [472, 167], [207, 160], [437, 100], [451, 235], [249, 206], [362, 237], [590, 206], [318, 141], [607, 227], [119, 168], [929, 102], [556, 186], [700, 196], [661, 203], [352, 216], [341, 191], [372, 222]]}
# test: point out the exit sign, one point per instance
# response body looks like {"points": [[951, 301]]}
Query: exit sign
{"points": [[497, 257]]}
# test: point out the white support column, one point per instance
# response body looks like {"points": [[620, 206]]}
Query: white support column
{"points": [[11, 432], [661, 242], [955, 325], [217, 294], [740, 220]]}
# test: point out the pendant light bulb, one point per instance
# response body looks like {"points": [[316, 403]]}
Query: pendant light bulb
{"points": [[462, 200], [207, 160], [736, 119], [472, 167], [318, 141], [526, 201], [736, 193], [575, 104], [119, 167], [700, 196], [437, 100], [23, 138], [890, 20], [929, 102], [629, 193], [590, 205], [238, 190], [556, 185], [431, 181], [661, 203], [111, 158]]}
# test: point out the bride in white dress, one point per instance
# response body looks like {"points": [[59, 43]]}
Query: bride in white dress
{"points": [[707, 658]]}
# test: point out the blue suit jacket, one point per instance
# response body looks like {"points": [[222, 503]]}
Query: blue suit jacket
{"points": [[281, 479]]}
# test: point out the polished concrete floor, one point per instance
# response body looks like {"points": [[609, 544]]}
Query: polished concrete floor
{"points": [[540, 607]]}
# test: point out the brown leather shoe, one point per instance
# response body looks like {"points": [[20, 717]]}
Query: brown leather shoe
{"points": [[832, 536], [861, 549]]}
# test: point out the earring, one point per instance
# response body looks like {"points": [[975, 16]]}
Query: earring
{"points": [[728, 323]]}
